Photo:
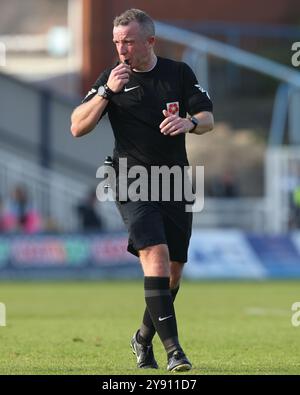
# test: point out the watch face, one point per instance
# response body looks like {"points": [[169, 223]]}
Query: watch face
{"points": [[101, 90]]}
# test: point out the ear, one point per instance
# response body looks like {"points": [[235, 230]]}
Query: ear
{"points": [[151, 41]]}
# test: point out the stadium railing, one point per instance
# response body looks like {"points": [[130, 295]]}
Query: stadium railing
{"points": [[52, 194], [199, 47]]}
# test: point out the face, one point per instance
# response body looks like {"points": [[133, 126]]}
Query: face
{"points": [[132, 45]]}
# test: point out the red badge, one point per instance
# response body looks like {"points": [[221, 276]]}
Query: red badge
{"points": [[173, 108]]}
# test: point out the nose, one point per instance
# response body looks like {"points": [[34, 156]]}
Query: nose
{"points": [[122, 49]]}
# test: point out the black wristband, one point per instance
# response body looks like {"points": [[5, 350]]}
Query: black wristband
{"points": [[109, 92]]}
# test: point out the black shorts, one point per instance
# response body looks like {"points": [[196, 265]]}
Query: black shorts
{"points": [[150, 223]]}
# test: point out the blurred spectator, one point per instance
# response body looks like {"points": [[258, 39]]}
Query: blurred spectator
{"points": [[214, 187], [290, 187], [229, 184], [296, 206], [1, 215], [89, 218], [225, 186], [18, 214]]}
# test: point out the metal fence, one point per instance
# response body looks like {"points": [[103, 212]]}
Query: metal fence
{"points": [[282, 169], [242, 213], [53, 195], [198, 48]]}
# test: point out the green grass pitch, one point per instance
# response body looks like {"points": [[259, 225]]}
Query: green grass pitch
{"points": [[85, 327]]}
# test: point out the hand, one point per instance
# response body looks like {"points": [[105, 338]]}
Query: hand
{"points": [[173, 124], [119, 77]]}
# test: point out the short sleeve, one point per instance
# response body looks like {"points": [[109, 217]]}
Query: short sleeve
{"points": [[195, 97], [101, 80]]}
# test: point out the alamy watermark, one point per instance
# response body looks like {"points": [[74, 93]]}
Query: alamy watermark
{"points": [[296, 316], [296, 55], [2, 314], [153, 183], [2, 54]]}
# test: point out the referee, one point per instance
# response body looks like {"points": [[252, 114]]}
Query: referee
{"points": [[147, 99]]}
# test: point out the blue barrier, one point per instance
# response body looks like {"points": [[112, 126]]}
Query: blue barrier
{"points": [[74, 256], [213, 254], [234, 254]]}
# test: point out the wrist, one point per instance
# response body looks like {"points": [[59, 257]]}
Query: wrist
{"points": [[109, 89], [189, 126], [105, 92], [194, 123]]}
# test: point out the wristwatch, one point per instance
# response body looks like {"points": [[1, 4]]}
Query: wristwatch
{"points": [[105, 92], [195, 121]]}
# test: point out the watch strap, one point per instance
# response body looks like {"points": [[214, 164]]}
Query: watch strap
{"points": [[108, 92], [195, 122]]}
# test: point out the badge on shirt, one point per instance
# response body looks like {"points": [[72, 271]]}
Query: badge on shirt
{"points": [[173, 108]]}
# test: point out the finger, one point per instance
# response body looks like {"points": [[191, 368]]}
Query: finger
{"points": [[121, 71], [123, 76], [172, 120], [117, 68], [166, 113], [171, 127], [122, 65], [169, 118], [176, 132], [181, 129], [127, 68]]}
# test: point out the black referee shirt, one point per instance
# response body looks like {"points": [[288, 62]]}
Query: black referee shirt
{"points": [[135, 113]]}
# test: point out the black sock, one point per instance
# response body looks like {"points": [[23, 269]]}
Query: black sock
{"points": [[160, 306], [147, 331]]}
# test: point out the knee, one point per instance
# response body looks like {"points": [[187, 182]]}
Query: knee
{"points": [[157, 254], [155, 261]]}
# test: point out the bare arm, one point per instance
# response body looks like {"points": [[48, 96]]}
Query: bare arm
{"points": [[206, 122], [85, 117]]}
